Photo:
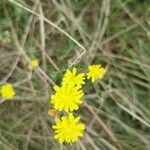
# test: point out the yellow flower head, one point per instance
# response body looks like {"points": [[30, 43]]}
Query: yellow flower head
{"points": [[70, 77], [95, 72], [68, 129], [67, 97], [52, 112], [34, 64], [7, 91]]}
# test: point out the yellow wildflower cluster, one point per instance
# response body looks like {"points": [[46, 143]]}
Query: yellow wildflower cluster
{"points": [[7, 91], [67, 98]]}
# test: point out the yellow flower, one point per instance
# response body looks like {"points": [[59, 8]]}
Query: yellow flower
{"points": [[7, 91], [95, 72], [72, 78], [52, 112], [67, 129], [67, 97], [34, 64]]}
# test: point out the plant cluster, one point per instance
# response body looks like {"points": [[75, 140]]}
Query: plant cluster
{"points": [[67, 98]]}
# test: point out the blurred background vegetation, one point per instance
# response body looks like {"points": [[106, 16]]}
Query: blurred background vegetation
{"points": [[114, 33]]}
